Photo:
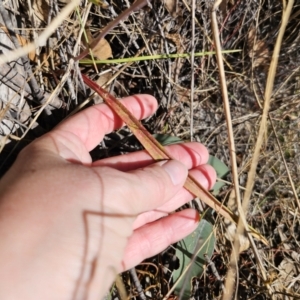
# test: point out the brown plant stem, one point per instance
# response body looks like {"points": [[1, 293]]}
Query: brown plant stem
{"points": [[158, 152]]}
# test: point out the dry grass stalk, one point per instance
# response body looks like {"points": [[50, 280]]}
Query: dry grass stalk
{"points": [[193, 72], [251, 175], [42, 39], [285, 164], [51, 97], [242, 224]]}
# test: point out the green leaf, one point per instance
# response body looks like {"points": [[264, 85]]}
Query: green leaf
{"points": [[201, 242], [221, 170], [166, 139], [96, 2], [218, 165], [102, 4]]}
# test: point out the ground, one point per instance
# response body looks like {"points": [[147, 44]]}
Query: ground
{"points": [[191, 107]]}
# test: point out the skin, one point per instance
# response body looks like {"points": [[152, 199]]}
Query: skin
{"points": [[69, 225]]}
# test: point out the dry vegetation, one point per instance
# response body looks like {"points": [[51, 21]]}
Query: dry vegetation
{"points": [[249, 26]]}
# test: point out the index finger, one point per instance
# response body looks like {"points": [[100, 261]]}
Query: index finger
{"points": [[93, 123]]}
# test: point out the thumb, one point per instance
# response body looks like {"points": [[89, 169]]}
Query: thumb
{"points": [[156, 184]]}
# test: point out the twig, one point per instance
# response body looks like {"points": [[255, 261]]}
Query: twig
{"points": [[14, 80], [138, 4], [51, 97], [63, 59], [124, 67], [83, 21], [285, 165], [263, 127], [42, 38], [167, 90], [35, 89], [137, 284], [113, 12], [267, 99], [158, 152], [242, 223], [193, 73], [214, 270], [198, 22], [120, 287]]}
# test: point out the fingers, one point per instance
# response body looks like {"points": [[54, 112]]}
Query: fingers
{"points": [[190, 154], [144, 189], [155, 237], [157, 184], [94, 122], [205, 174]]}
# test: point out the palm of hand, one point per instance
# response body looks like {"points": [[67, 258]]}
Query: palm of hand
{"points": [[84, 221]]}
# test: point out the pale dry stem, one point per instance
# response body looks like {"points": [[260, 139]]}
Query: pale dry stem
{"points": [[242, 224], [43, 37], [257, 149]]}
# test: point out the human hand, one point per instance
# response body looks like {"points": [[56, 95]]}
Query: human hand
{"points": [[69, 225]]}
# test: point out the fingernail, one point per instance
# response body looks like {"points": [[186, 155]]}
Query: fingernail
{"points": [[176, 170]]}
